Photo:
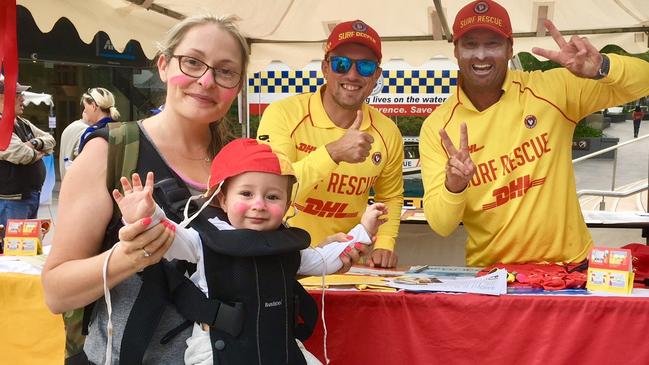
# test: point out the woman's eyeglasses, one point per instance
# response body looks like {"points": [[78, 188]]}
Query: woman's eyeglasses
{"points": [[193, 67], [342, 65]]}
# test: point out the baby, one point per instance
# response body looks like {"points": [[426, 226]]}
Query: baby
{"points": [[252, 185]]}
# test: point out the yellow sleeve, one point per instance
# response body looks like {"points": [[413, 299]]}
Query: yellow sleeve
{"points": [[389, 190], [443, 209], [627, 80], [275, 127]]}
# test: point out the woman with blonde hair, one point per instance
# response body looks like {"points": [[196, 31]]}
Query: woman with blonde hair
{"points": [[98, 110], [203, 62]]}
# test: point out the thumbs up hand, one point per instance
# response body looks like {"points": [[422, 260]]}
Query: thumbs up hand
{"points": [[354, 146]]}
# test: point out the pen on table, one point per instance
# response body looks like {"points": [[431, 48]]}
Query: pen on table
{"points": [[420, 269]]}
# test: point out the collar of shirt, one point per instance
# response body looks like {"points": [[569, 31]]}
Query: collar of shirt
{"points": [[461, 98]]}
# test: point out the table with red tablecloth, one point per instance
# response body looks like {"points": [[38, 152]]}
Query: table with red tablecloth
{"points": [[439, 328]]}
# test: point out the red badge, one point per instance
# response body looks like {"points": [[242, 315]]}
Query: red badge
{"points": [[530, 121], [376, 158]]}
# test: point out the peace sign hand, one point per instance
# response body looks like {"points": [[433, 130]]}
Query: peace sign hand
{"points": [[460, 167], [579, 56]]}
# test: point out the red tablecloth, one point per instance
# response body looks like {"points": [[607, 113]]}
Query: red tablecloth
{"points": [[405, 329]]}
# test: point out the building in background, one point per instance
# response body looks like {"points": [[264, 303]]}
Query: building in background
{"points": [[59, 63]]}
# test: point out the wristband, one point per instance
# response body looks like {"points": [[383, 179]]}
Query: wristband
{"points": [[603, 68]]}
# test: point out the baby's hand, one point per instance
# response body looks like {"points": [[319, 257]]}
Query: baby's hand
{"points": [[137, 201], [371, 218]]}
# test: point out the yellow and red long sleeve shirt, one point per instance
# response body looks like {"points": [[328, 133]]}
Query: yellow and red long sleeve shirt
{"points": [[521, 204], [332, 197]]}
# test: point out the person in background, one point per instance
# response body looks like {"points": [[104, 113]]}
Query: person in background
{"points": [[497, 154], [342, 148], [70, 138], [637, 116], [22, 172], [98, 110]]}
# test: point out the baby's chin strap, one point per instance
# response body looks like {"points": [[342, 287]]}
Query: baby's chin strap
{"points": [[187, 219]]}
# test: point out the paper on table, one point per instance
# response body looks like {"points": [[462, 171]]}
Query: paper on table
{"points": [[452, 271], [598, 216], [491, 284]]}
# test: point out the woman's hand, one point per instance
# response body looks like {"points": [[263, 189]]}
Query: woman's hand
{"points": [[145, 246], [352, 253]]}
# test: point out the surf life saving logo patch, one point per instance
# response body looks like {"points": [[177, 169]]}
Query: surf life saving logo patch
{"points": [[530, 121], [481, 7], [376, 158], [359, 26]]}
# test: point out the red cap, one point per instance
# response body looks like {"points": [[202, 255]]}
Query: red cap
{"points": [[482, 14], [354, 31], [247, 155]]}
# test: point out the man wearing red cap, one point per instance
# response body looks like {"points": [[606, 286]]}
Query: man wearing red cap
{"points": [[21, 170], [497, 154], [341, 147]]}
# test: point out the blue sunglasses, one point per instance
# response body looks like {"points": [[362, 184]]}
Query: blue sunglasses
{"points": [[342, 65]]}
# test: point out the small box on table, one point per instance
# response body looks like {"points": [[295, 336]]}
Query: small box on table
{"points": [[24, 237], [610, 270]]}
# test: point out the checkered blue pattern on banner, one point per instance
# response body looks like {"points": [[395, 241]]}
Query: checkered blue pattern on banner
{"points": [[394, 82]]}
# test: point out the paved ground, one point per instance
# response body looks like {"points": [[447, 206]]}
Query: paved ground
{"points": [[418, 244], [632, 164]]}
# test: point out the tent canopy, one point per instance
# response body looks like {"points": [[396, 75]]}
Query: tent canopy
{"points": [[293, 31], [37, 98]]}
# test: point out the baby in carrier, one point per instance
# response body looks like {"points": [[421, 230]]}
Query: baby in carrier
{"points": [[252, 185]]}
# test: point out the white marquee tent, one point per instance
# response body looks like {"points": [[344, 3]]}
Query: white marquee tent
{"points": [[293, 31]]}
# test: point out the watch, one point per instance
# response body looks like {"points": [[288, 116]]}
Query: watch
{"points": [[603, 68]]}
